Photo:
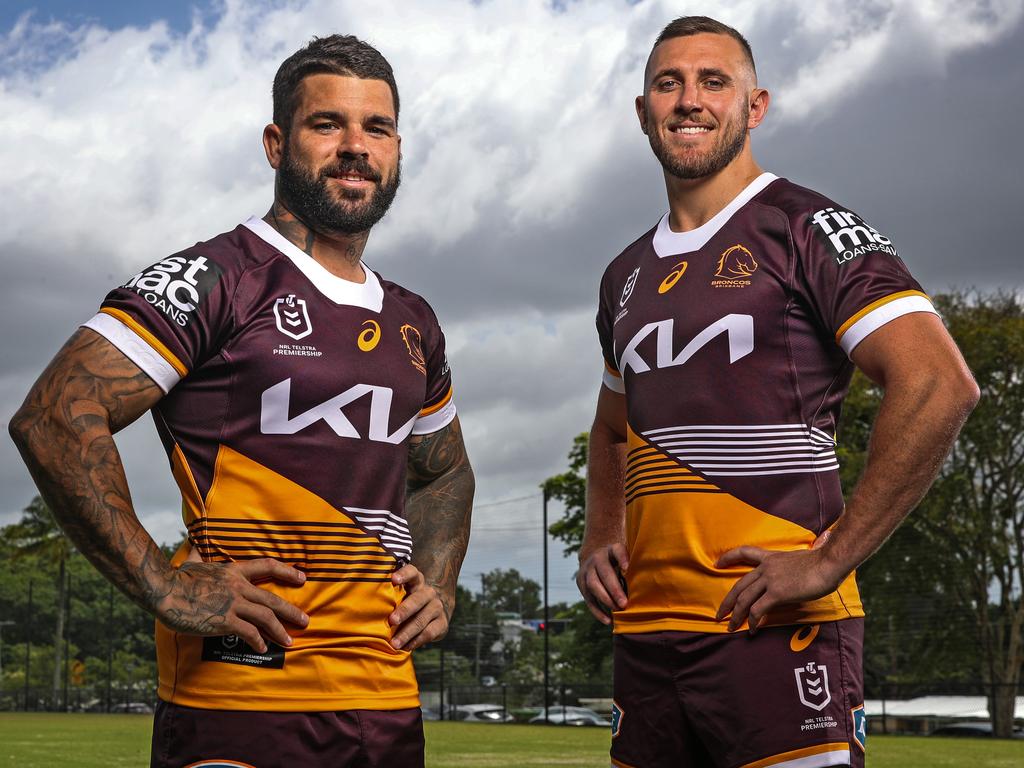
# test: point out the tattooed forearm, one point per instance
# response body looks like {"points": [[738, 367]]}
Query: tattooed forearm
{"points": [[64, 432], [439, 502]]}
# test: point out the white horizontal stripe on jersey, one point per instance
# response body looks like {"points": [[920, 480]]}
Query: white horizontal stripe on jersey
{"points": [[767, 447], [703, 463], [713, 449], [136, 349], [749, 460], [437, 420], [875, 319], [796, 470], [727, 427]]}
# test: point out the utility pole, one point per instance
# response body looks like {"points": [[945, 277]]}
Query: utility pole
{"points": [[546, 657], [479, 626]]}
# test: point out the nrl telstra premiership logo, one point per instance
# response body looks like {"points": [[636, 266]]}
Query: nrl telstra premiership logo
{"points": [[812, 686], [292, 317]]}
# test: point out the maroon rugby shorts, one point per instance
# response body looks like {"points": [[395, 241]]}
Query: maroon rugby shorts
{"points": [[788, 697], [358, 738]]}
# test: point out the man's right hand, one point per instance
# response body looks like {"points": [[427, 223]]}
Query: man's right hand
{"points": [[599, 579], [221, 599]]}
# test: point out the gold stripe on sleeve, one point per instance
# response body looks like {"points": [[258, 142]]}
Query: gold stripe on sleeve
{"points": [[873, 306], [148, 337]]}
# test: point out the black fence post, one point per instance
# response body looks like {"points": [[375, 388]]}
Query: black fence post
{"points": [[28, 645], [110, 643], [67, 641], [441, 684], [885, 718]]}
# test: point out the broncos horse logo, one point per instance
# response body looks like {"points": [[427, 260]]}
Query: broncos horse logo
{"points": [[736, 263]]}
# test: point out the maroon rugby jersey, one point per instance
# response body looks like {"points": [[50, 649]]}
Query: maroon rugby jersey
{"points": [[291, 395], [731, 343]]}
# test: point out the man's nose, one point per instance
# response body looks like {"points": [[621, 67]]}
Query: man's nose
{"points": [[352, 144], [689, 98]]}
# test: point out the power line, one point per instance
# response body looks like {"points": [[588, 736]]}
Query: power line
{"points": [[536, 495]]}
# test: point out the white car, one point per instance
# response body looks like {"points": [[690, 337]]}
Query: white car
{"points": [[571, 716], [479, 713]]}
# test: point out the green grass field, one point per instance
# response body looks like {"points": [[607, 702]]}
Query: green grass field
{"points": [[99, 741]]}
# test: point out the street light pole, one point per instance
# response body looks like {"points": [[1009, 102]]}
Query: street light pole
{"points": [[546, 628]]}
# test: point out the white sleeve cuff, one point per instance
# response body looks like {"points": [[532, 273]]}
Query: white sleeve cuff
{"points": [[439, 419], [613, 382], [876, 318], [136, 349]]}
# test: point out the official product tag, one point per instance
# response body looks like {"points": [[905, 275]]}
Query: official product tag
{"points": [[231, 649]]}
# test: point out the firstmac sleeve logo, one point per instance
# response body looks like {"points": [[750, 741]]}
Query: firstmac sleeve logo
{"points": [[849, 235], [177, 285]]}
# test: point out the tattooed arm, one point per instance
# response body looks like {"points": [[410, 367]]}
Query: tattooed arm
{"points": [[439, 501], [64, 431]]}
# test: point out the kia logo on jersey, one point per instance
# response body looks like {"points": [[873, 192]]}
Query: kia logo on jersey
{"points": [[292, 317]]}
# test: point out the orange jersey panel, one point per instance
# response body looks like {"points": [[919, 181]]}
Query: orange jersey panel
{"points": [[343, 659], [677, 526]]}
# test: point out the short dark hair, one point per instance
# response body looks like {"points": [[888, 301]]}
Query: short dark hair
{"points": [[685, 26], [337, 55]]}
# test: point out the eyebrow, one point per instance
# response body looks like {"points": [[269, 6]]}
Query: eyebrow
{"points": [[338, 117]]}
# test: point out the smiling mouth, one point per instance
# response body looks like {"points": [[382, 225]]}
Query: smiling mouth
{"points": [[690, 130]]}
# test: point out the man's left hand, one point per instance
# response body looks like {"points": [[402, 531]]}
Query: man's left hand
{"points": [[422, 617], [778, 578]]}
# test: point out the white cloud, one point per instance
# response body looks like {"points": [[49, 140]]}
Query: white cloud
{"points": [[524, 174]]}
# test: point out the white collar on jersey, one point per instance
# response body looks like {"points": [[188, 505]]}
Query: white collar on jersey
{"points": [[369, 294], [669, 243]]}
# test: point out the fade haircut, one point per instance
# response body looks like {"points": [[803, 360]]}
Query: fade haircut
{"points": [[345, 55], [686, 26]]}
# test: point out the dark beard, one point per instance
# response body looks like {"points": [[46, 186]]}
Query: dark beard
{"points": [[725, 151], [308, 198]]}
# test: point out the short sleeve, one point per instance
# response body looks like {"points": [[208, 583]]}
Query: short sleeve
{"points": [[439, 403], [611, 377], [851, 274], [168, 318]]}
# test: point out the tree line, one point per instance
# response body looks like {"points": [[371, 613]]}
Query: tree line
{"points": [[943, 595]]}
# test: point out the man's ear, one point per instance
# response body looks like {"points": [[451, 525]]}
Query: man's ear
{"points": [[273, 145]]}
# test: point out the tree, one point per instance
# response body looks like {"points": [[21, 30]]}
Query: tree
{"points": [[37, 534], [570, 488], [509, 592], [974, 515], [953, 573]]}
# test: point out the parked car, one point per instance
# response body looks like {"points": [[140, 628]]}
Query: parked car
{"points": [[478, 713], [133, 708], [571, 716], [981, 728]]}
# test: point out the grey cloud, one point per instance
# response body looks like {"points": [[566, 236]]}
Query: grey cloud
{"points": [[525, 175]]}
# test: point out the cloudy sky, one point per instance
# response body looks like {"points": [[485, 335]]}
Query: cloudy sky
{"points": [[133, 130]]}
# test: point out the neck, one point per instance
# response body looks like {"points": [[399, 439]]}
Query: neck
{"points": [[693, 202], [338, 253]]}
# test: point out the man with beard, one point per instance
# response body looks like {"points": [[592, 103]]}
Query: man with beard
{"points": [[306, 407], [729, 332]]}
